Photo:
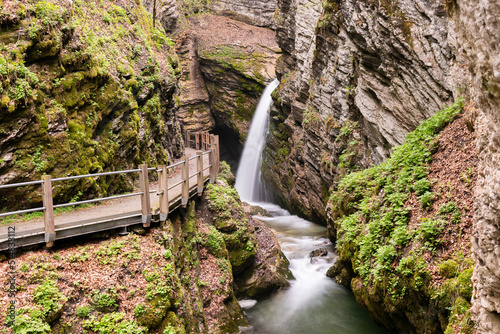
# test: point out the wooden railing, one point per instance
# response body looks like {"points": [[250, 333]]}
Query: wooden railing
{"points": [[204, 143]]}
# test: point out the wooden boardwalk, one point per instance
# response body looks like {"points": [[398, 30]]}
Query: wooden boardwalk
{"points": [[176, 184]]}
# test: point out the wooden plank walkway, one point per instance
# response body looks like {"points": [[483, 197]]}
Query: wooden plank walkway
{"points": [[163, 196]]}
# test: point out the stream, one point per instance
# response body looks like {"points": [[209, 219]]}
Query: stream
{"points": [[313, 303]]}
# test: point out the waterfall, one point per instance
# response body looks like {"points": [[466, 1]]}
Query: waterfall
{"points": [[248, 183], [313, 303]]}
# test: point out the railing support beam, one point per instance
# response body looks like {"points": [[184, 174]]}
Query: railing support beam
{"points": [[185, 185], [163, 193], [199, 165], [145, 199], [48, 214], [217, 154], [211, 162]]}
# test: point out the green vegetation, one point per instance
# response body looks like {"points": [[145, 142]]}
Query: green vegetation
{"points": [[31, 322], [373, 231], [105, 301], [83, 311], [230, 232], [225, 173], [47, 295], [113, 323], [312, 118], [50, 302], [231, 57]]}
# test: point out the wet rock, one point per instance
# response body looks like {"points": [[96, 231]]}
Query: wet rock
{"points": [[255, 210], [269, 271], [319, 252]]}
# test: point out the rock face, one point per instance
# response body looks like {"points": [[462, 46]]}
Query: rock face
{"points": [[256, 12], [167, 12], [269, 270], [258, 265], [369, 70], [85, 89], [479, 23], [226, 65]]}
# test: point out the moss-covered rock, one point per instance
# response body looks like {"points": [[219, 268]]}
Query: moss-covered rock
{"points": [[448, 269], [392, 260], [85, 87]]}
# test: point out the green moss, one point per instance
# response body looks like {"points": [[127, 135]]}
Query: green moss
{"points": [[226, 174], [448, 269], [93, 83]]}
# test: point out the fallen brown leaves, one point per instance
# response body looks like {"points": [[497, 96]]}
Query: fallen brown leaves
{"points": [[454, 173]]}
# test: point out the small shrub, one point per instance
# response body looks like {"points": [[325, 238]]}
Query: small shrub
{"points": [[430, 229], [139, 310], [24, 267], [113, 323], [422, 186], [106, 301], [31, 321], [83, 311], [426, 199], [48, 296], [167, 254]]}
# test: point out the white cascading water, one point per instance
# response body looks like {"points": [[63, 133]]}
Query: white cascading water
{"points": [[313, 303], [248, 181]]}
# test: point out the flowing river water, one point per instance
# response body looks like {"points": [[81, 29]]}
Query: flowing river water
{"points": [[313, 303]]}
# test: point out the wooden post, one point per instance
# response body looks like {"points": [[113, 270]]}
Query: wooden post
{"points": [[185, 185], [145, 200], [199, 163], [163, 187], [50, 229], [217, 155], [204, 141], [197, 139], [188, 139], [211, 162]]}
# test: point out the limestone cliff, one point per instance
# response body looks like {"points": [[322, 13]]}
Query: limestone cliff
{"points": [[225, 66], [86, 87], [261, 13], [479, 38], [385, 65]]}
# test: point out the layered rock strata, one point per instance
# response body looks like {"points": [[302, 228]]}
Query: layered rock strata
{"points": [[382, 66], [261, 13], [225, 64]]}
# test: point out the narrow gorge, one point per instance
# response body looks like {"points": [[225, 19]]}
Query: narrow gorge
{"points": [[382, 152]]}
